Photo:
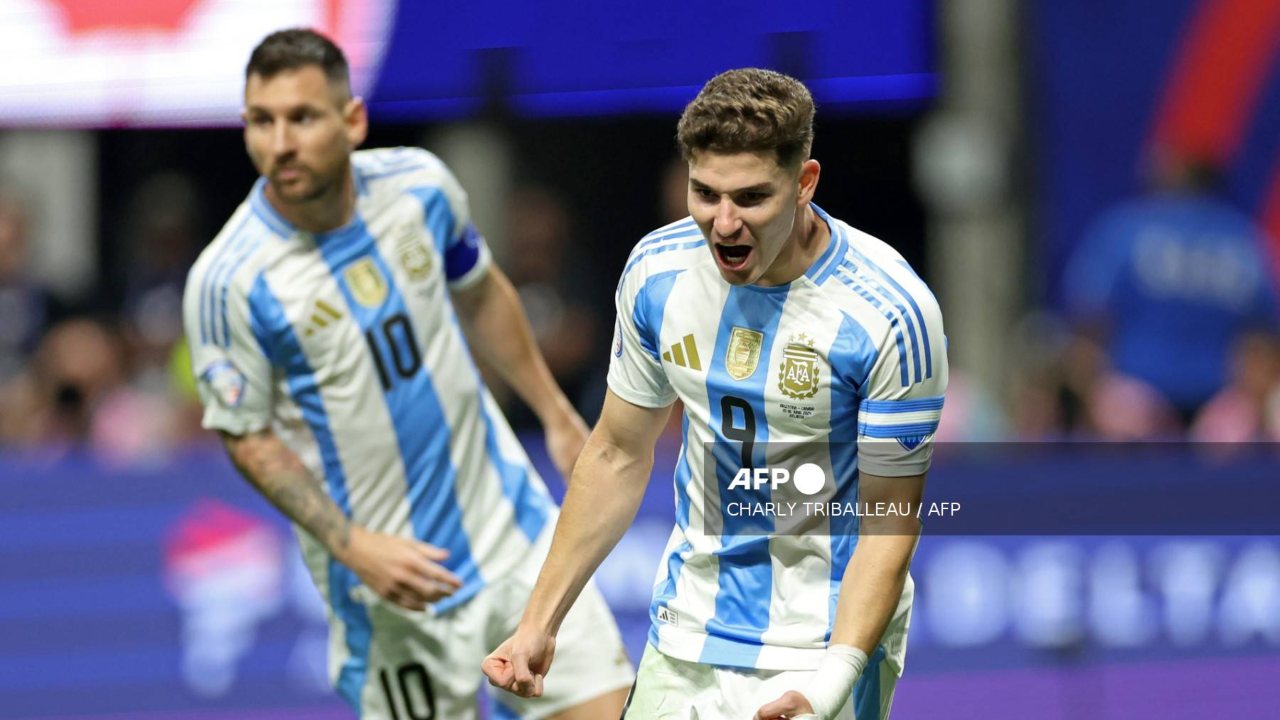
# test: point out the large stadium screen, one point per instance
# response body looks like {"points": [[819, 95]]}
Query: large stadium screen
{"points": [[157, 62], [90, 63]]}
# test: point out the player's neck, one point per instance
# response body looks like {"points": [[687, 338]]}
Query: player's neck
{"points": [[325, 213], [808, 241]]}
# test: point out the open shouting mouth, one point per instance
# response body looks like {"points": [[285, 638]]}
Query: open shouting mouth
{"points": [[733, 257]]}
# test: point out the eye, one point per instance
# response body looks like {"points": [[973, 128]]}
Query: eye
{"points": [[752, 198], [303, 116], [260, 121], [705, 194]]}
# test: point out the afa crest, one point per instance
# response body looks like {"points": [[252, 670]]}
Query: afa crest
{"points": [[415, 260], [798, 373], [365, 280]]}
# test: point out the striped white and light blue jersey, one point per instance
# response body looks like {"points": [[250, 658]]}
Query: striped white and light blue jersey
{"points": [[346, 344], [851, 353]]}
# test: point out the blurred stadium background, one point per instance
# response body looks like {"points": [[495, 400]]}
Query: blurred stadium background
{"points": [[1089, 187]]}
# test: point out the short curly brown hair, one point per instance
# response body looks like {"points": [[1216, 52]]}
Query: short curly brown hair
{"points": [[749, 110]]}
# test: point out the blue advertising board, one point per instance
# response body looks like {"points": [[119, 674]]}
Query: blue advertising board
{"points": [[173, 592]]}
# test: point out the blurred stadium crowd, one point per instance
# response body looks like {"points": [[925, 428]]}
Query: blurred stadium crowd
{"points": [[1100, 263], [109, 377], [1168, 329]]}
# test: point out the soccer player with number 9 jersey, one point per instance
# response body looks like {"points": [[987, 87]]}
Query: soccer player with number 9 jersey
{"points": [[774, 323]]}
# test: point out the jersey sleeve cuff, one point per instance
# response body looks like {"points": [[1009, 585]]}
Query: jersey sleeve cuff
{"points": [[894, 458], [892, 469], [641, 399], [233, 424], [477, 271]]}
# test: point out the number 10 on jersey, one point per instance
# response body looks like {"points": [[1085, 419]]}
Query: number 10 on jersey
{"points": [[394, 349]]}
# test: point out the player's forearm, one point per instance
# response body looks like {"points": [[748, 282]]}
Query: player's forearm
{"points": [[286, 483], [876, 573], [498, 330], [871, 587], [608, 485]]}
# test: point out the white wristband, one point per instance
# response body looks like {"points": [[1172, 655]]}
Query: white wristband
{"points": [[832, 685]]}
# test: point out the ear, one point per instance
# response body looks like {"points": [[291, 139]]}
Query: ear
{"points": [[809, 172], [356, 118]]}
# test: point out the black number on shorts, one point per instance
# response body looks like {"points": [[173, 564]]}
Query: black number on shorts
{"points": [[415, 692], [746, 433], [401, 346]]}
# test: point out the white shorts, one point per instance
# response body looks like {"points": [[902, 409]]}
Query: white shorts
{"points": [[671, 689], [425, 666]]}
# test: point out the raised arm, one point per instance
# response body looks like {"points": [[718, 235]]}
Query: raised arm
{"points": [[401, 570], [498, 331], [608, 484]]}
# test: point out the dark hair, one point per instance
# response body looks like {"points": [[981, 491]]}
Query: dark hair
{"points": [[295, 48], [749, 110]]}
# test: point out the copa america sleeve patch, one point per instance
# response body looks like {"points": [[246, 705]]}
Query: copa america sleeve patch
{"points": [[225, 382]]}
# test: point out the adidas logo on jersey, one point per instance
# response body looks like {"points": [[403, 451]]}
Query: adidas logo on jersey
{"points": [[668, 616], [684, 354], [324, 314]]}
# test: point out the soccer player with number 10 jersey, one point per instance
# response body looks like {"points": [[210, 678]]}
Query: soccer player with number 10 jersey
{"points": [[329, 325]]}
